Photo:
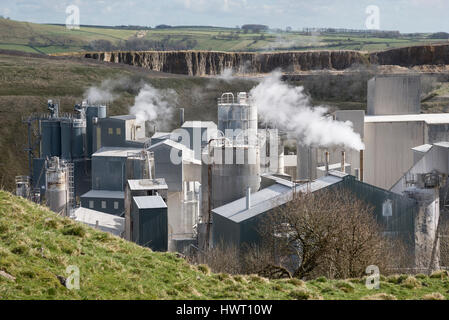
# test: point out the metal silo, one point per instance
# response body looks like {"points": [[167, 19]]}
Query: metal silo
{"points": [[50, 137], [57, 185], [234, 169], [235, 115], [92, 112], [66, 139]]}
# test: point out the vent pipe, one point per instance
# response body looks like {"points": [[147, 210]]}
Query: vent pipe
{"points": [[326, 159], [181, 117], [343, 161], [248, 198], [361, 165]]}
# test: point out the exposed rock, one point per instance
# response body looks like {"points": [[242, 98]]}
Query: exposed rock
{"points": [[202, 63], [7, 276]]}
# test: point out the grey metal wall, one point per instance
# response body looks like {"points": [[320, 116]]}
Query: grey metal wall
{"points": [[109, 205], [108, 173], [150, 227], [165, 168], [389, 95], [233, 171], [388, 153]]}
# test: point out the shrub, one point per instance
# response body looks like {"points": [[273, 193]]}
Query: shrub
{"points": [[440, 274], [411, 283], [300, 294], [380, 296], [434, 296], [345, 286], [204, 269], [74, 230]]}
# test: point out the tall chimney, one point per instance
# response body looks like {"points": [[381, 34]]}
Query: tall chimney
{"points": [[361, 165], [343, 161], [248, 198], [181, 117], [326, 159]]}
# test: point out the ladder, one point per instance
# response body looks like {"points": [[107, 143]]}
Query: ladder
{"points": [[71, 188]]}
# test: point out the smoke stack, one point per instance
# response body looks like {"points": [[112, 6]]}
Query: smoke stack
{"points": [[343, 161], [361, 165], [181, 117], [326, 158], [248, 198]]}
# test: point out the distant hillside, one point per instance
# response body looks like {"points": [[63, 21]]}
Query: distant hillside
{"points": [[41, 38], [36, 247]]}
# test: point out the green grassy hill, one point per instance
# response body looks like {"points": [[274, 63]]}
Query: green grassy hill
{"points": [[36, 247], [41, 38]]}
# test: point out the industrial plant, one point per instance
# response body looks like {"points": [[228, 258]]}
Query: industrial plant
{"points": [[204, 183]]}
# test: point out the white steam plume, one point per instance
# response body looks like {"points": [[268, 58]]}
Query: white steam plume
{"points": [[105, 92], [289, 108], [152, 104]]}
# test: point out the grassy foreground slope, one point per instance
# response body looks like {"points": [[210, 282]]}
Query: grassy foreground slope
{"points": [[36, 246]]}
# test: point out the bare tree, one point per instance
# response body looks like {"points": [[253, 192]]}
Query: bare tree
{"points": [[331, 233]]}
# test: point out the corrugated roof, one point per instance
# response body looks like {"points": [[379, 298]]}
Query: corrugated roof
{"points": [[106, 222], [150, 202], [104, 194], [199, 124], [443, 144], [157, 135], [187, 154], [269, 198], [115, 152], [124, 117], [429, 118], [147, 184], [423, 148]]}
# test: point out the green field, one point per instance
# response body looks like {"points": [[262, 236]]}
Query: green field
{"points": [[37, 246], [47, 39]]}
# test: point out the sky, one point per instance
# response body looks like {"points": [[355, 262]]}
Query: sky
{"points": [[402, 15]]}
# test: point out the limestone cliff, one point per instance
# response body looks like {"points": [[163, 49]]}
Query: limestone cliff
{"points": [[201, 63], [413, 56]]}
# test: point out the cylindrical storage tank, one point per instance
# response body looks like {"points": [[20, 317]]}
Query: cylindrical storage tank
{"points": [[91, 113], [236, 115], [57, 186], [66, 139], [78, 138], [50, 138], [234, 169]]}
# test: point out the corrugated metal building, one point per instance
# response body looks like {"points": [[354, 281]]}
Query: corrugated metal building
{"points": [[149, 223], [112, 202], [236, 224], [119, 131]]}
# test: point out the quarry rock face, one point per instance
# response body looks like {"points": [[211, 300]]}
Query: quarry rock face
{"points": [[412, 56], [203, 63]]}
